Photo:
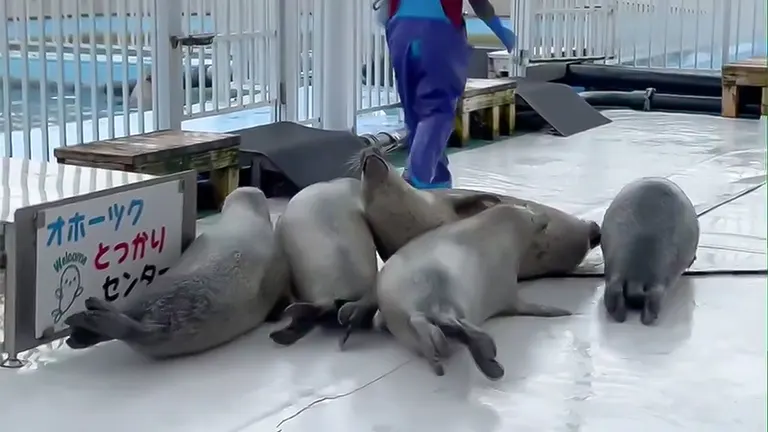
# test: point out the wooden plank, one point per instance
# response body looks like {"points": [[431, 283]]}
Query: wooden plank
{"points": [[764, 102], [153, 147], [480, 86], [200, 162], [730, 101], [750, 72], [224, 181]]}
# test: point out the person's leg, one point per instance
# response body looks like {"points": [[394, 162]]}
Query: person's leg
{"points": [[443, 64]]}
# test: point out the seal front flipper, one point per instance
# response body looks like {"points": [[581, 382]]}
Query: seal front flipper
{"points": [[479, 343], [470, 205], [304, 318], [595, 235], [521, 308], [356, 315]]}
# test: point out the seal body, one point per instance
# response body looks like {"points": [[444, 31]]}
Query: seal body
{"points": [[223, 286], [331, 254], [650, 234], [397, 212], [556, 251], [447, 282]]}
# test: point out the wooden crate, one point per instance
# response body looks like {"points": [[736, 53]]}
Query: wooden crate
{"points": [[752, 72], [494, 100], [164, 152]]}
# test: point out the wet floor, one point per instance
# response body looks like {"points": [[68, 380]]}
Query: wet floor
{"points": [[702, 368]]}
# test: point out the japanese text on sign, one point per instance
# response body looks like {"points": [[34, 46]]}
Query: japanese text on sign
{"points": [[76, 223], [110, 247]]}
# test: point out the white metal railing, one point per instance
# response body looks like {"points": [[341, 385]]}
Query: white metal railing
{"points": [[96, 69]]}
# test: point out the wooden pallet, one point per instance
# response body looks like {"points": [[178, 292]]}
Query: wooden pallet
{"points": [[164, 152], [752, 72], [494, 100]]}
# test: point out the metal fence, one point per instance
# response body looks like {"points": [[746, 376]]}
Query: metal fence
{"points": [[74, 71]]}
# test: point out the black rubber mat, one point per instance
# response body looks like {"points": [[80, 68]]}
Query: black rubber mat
{"points": [[560, 106], [299, 154]]}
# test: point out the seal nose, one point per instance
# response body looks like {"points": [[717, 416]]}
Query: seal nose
{"points": [[374, 166]]}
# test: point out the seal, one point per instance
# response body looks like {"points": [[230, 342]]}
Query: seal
{"points": [[397, 212], [223, 286], [650, 234], [331, 255], [447, 282], [556, 251]]}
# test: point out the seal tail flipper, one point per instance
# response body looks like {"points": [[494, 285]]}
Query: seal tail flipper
{"points": [[304, 318], [434, 345], [614, 300], [652, 306], [106, 322], [480, 344], [356, 315]]}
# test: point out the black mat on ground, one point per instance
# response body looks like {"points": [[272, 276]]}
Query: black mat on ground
{"points": [[295, 154], [560, 106]]}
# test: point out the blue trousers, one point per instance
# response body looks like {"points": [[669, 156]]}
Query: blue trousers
{"points": [[430, 58]]}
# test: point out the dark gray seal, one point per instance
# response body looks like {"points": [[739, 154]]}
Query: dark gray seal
{"points": [[556, 251], [650, 234], [331, 255], [223, 286], [397, 212], [445, 283]]}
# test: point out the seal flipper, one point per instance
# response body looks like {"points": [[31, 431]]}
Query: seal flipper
{"points": [[104, 320], [434, 345], [614, 300], [521, 308], [652, 306], [304, 318], [356, 315], [480, 344], [470, 205]]}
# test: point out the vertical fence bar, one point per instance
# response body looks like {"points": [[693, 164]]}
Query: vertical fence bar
{"points": [[6, 82], [288, 28], [166, 65]]}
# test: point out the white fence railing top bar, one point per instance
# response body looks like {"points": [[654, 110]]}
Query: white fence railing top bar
{"points": [[75, 71]]}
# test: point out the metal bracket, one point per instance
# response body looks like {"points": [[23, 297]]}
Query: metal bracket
{"points": [[193, 40]]}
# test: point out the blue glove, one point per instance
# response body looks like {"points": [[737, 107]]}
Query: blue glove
{"points": [[505, 35]]}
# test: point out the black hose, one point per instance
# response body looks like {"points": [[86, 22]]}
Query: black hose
{"points": [[651, 100]]}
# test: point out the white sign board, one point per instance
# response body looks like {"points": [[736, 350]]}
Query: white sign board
{"points": [[111, 247]]}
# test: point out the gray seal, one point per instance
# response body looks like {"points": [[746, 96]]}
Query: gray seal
{"points": [[397, 212], [650, 234], [331, 256], [223, 286], [556, 251], [447, 282]]}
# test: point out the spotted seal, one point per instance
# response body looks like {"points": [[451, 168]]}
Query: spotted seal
{"points": [[397, 212], [223, 286], [556, 251], [445, 283], [650, 233], [331, 255]]}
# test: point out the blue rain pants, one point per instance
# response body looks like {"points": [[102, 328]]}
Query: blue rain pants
{"points": [[430, 57]]}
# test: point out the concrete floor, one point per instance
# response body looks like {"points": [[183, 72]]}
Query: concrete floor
{"points": [[701, 369]]}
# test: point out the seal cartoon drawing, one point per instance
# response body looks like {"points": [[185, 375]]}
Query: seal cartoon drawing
{"points": [[70, 288]]}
